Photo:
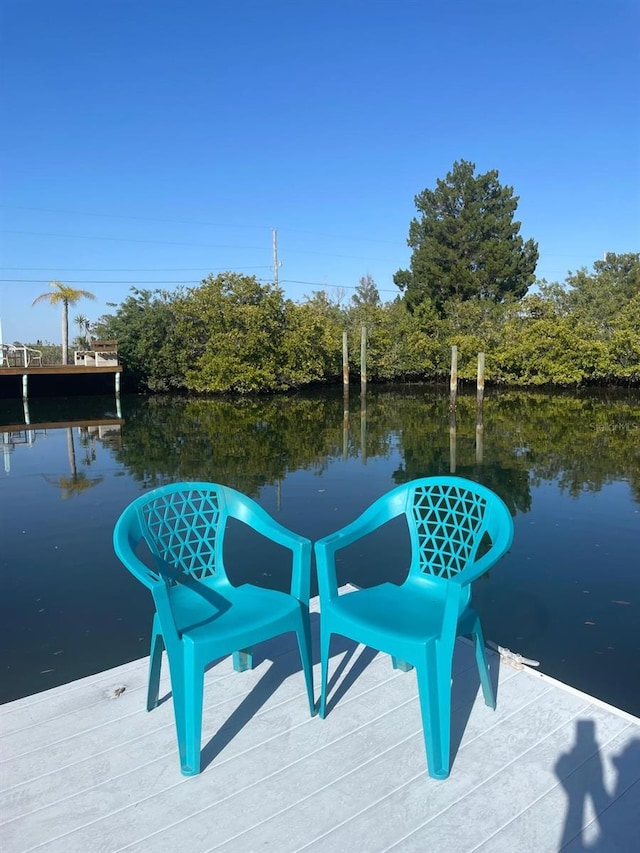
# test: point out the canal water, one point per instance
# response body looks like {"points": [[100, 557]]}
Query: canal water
{"points": [[567, 465]]}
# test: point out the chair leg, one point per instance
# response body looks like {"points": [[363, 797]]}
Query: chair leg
{"points": [[325, 643], [192, 706], [243, 660], [481, 661], [178, 691], [402, 665], [434, 688], [303, 633], [155, 665]]}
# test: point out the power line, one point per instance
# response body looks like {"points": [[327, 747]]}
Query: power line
{"points": [[325, 284], [207, 224], [199, 245], [125, 216], [132, 269], [98, 281], [322, 284], [128, 240], [194, 222]]}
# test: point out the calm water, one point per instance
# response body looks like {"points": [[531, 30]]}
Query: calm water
{"points": [[567, 465]]}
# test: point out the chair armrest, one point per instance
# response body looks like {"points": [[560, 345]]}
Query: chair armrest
{"points": [[497, 550], [380, 512], [126, 536], [252, 514]]}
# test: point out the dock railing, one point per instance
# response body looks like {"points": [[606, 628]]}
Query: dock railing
{"points": [[101, 354], [20, 355]]}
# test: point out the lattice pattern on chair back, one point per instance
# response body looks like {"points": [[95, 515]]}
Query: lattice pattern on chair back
{"points": [[183, 525], [449, 520]]}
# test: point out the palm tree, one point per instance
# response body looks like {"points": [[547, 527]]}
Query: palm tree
{"points": [[77, 482], [66, 295], [84, 330]]}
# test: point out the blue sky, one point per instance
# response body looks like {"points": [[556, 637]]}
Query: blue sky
{"points": [[151, 142]]}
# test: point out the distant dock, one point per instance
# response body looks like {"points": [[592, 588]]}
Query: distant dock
{"points": [[23, 375], [84, 423], [58, 380]]}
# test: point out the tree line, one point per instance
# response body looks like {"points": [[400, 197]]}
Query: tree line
{"points": [[469, 284], [579, 440]]}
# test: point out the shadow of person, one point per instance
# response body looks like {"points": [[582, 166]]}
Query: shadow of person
{"points": [[617, 829], [581, 774], [597, 820]]}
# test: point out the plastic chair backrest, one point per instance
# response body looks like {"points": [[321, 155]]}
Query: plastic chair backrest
{"points": [[183, 527], [447, 524], [449, 519]]}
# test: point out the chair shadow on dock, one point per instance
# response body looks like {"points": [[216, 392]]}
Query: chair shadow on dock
{"points": [[283, 655], [610, 824], [284, 662], [465, 688]]}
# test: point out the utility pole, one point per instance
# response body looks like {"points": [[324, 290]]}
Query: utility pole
{"points": [[276, 263]]}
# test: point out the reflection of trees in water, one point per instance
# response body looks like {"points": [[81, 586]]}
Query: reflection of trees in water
{"points": [[88, 442], [582, 442], [76, 483], [426, 449], [245, 443]]}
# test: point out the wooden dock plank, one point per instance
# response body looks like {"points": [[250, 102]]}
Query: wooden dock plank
{"points": [[346, 746], [86, 771], [116, 722], [390, 816], [584, 778], [392, 763], [521, 780], [617, 830], [59, 370], [144, 740]]}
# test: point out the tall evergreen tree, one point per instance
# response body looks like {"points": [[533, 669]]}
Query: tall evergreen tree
{"points": [[465, 242], [366, 292]]}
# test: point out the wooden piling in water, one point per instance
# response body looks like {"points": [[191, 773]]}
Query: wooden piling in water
{"points": [[479, 410], [363, 358], [345, 361], [345, 423], [453, 429], [479, 440], [363, 425], [480, 397], [453, 379]]}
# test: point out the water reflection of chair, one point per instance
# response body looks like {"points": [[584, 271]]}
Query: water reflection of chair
{"points": [[200, 616], [458, 530]]}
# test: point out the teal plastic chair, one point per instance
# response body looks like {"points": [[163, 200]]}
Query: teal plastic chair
{"points": [[458, 529], [200, 616]]}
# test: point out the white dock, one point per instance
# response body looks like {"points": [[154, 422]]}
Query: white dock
{"points": [[85, 768]]}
